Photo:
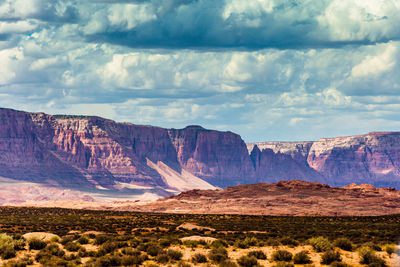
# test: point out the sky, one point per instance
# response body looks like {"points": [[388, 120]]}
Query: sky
{"points": [[267, 70]]}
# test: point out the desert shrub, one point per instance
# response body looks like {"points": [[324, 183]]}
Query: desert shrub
{"points": [[218, 254], [66, 239], [247, 242], [288, 241], [130, 251], [19, 244], [339, 264], [320, 244], [258, 254], [84, 239], [72, 246], [369, 257], [330, 256], [109, 246], [106, 261], [55, 239], [272, 242], [389, 248], [100, 239], [18, 263], [55, 250], [8, 253], [302, 257], [129, 260], [166, 242], [282, 255], [7, 250], [153, 249], [35, 243], [283, 264], [82, 252], [247, 261], [343, 243], [219, 244], [227, 263], [162, 258], [373, 246], [199, 258], [174, 254]]}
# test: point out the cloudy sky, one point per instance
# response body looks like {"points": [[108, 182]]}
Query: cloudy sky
{"points": [[267, 70]]}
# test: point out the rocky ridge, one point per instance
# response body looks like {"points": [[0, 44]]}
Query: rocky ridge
{"points": [[294, 197], [93, 153]]}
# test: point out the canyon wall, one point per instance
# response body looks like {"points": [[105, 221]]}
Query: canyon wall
{"points": [[93, 152]]}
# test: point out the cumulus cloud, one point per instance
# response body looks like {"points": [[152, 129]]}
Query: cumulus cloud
{"points": [[265, 69]]}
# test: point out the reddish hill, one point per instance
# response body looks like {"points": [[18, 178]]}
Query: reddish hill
{"points": [[282, 198]]}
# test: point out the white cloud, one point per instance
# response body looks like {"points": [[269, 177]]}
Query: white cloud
{"points": [[376, 64]]}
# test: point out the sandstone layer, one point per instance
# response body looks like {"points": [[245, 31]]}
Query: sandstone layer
{"points": [[93, 153]]}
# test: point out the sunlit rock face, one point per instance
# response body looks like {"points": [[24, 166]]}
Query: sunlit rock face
{"points": [[372, 158], [93, 152]]}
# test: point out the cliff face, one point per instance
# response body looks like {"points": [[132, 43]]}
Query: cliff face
{"points": [[92, 151], [220, 158], [81, 151], [372, 158]]}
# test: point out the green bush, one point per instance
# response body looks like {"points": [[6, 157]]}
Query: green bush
{"points": [[343, 243], [55, 250], [369, 257], [339, 264], [18, 263], [282, 255], [227, 263], [218, 254], [66, 239], [330, 256], [7, 249], [247, 261], [129, 260], [258, 254], [153, 249], [320, 244], [100, 239], [283, 264], [219, 244], [83, 240], [8, 253], [72, 246], [302, 257], [37, 244], [389, 248], [174, 254], [272, 242], [110, 246], [373, 246], [162, 258], [288, 241], [199, 258], [247, 242], [108, 261]]}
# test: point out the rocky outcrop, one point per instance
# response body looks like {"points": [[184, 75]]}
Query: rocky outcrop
{"points": [[294, 197]]}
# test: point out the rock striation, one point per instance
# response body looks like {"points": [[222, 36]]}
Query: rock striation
{"points": [[373, 158], [89, 152]]}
